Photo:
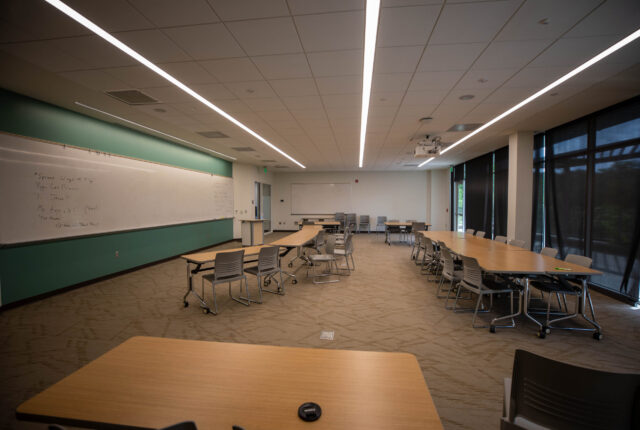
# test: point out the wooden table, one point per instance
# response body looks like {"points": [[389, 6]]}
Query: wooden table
{"points": [[149, 382], [500, 258], [401, 225], [297, 240]]}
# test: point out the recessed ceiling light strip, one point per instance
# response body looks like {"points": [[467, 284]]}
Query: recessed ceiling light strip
{"points": [[127, 50], [154, 130], [370, 34], [633, 36]]}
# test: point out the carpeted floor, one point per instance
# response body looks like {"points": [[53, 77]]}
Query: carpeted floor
{"points": [[386, 305]]}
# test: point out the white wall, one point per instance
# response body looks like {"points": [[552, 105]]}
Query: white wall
{"points": [[244, 178], [398, 195], [440, 199]]}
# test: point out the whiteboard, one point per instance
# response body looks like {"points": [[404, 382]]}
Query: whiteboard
{"points": [[320, 199], [50, 191]]}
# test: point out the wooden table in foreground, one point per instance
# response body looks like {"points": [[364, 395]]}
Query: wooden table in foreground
{"points": [[149, 382]]}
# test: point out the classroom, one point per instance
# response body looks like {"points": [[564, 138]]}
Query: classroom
{"points": [[283, 214]]}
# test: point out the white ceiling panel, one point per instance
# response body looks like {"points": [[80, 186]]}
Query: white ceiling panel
{"points": [[306, 7], [439, 58], [517, 54], [214, 91], [137, 77], [294, 87], [304, 102], [331, 31], [94, 51], [340, 84], [265, 104], [169, 94], [573, 52], [614, 17], [194, 108], [275, 115], [405, 26], [155, 45], [266, 36], [535, 77], [302, 114], [189, 72], [204, 42], [383, 111], [397, 3], [251, 89], [397, 59], [428, 97], [434, 80], [231, 10], [169, 13], [283, 66], [346, 100], [45, 54], [485, 78], [336, 63], [472, 22], [95, 79], [38, 20], [390, 82], [112, 15], [232, 69], [232, 106], [10, 32]]}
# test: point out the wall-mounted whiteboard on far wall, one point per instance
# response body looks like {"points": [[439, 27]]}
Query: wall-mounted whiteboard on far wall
{"points": [[320, 199], [50, 191]]}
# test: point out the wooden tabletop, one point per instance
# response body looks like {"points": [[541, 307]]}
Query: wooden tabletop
{"points": [[299, 238], [209, 256], [401, 224], [149, 382], [464, 243]]}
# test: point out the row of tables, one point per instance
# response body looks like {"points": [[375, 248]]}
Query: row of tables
{"points": [[500, 258]]}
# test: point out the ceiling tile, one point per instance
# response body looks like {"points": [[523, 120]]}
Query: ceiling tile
{"points": [[45, 54], [95, 79], [390, 82], [265, 104], [397, 59], [526, 24], [232, 69], [531, 77], [275, 115], [434, 80], [153, 45], [112, 15], [502, 55], [283, 66], [331, 31], [251, 89], [429, 97], [194, 108], [38, 20], [405, 26], [232, 106], [383, 111], [304, 102], [302, 114], [388, 101], [95, 51], [231, 10], [573, 52], [614, 17], [398, 3], [169, 13], [294, 87], [339, 100], [339, 84], [169, 94], [205, 42], [188, 72], [458, 23], [213, 91], [485, 78], [266, 36], [137, 76], [438, 58], [304, 7], [336, 63]]}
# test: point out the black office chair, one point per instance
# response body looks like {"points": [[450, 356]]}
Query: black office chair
{"points": [[185, 425], [558, 395]]}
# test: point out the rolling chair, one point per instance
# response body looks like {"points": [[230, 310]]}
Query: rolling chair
{"points": [[229, 267]]}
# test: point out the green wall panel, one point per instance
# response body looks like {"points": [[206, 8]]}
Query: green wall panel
{"points": [[38, 268]]}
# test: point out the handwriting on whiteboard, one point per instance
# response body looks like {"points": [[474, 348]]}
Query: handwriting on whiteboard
{"points": [[62, 200]]}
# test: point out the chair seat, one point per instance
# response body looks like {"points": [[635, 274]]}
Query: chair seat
{"points": [[321, 257], [559, 285], [254, 271], [212, 277], [340, 251]]}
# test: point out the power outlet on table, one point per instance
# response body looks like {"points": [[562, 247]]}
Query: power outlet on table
{"points": [[117, 254]]}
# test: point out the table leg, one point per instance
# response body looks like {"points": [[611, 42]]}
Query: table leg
{"points": [[191, 290], [492, 327]]}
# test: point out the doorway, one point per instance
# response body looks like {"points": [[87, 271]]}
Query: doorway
{"points": [[262, 199]]}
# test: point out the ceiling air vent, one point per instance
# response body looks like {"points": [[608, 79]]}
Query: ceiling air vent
{"points": [[132, 97], [243, 148], [212, 134], [410, 165], [464, 127]]}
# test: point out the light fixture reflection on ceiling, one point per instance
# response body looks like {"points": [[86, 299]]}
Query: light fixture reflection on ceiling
{"points": [[370, 34], [613, 48], [153, 129], [71, 13]]}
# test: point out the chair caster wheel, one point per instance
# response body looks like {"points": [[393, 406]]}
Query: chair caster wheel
{"points": [[546, 329], [492, 329], [597, 336], [542, 334], [205, 311], [266, 283], [295, 281], [290, 264], [186, 304]]}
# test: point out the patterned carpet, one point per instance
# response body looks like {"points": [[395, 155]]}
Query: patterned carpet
{"points": [[386, 305]]}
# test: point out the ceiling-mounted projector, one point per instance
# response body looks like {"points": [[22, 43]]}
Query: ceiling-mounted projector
{"points": [[428, 146]]}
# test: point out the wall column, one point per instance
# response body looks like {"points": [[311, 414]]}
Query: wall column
{"points": [[520, 200]]}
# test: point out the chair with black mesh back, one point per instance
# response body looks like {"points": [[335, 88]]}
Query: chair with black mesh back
{"points": [[562, 286], [479, 233], [517, 242], [473, 282], [364, 223], [548, 394], [502, 239], [267, 268], [229, 267], [549, 252], [470, 231]]}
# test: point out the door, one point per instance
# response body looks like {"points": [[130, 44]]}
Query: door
{"points": [[265, 205]]}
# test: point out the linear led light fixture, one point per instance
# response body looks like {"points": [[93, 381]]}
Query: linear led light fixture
{"points": [[71, 13], [153, 129], [370, 34], [630, 38]]}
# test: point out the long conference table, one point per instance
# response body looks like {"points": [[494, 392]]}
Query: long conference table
{"points": [[151, 383], [205, 261], [500, 258]]}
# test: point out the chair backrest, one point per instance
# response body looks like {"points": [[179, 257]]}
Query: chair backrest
{"points": [[448, 266], [308, 222], [268, 259], [319, 240], [329, 245], [502, 239], [517, 242], [364, 219], [339, 216], [558, 395], [580, 260], [471, 272], [470, 231], [381, 220], [417, 226], [549, 252], [428, 246], [348, 244], [229, 264], [411, 220], [393, 220], [479, 233]]}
